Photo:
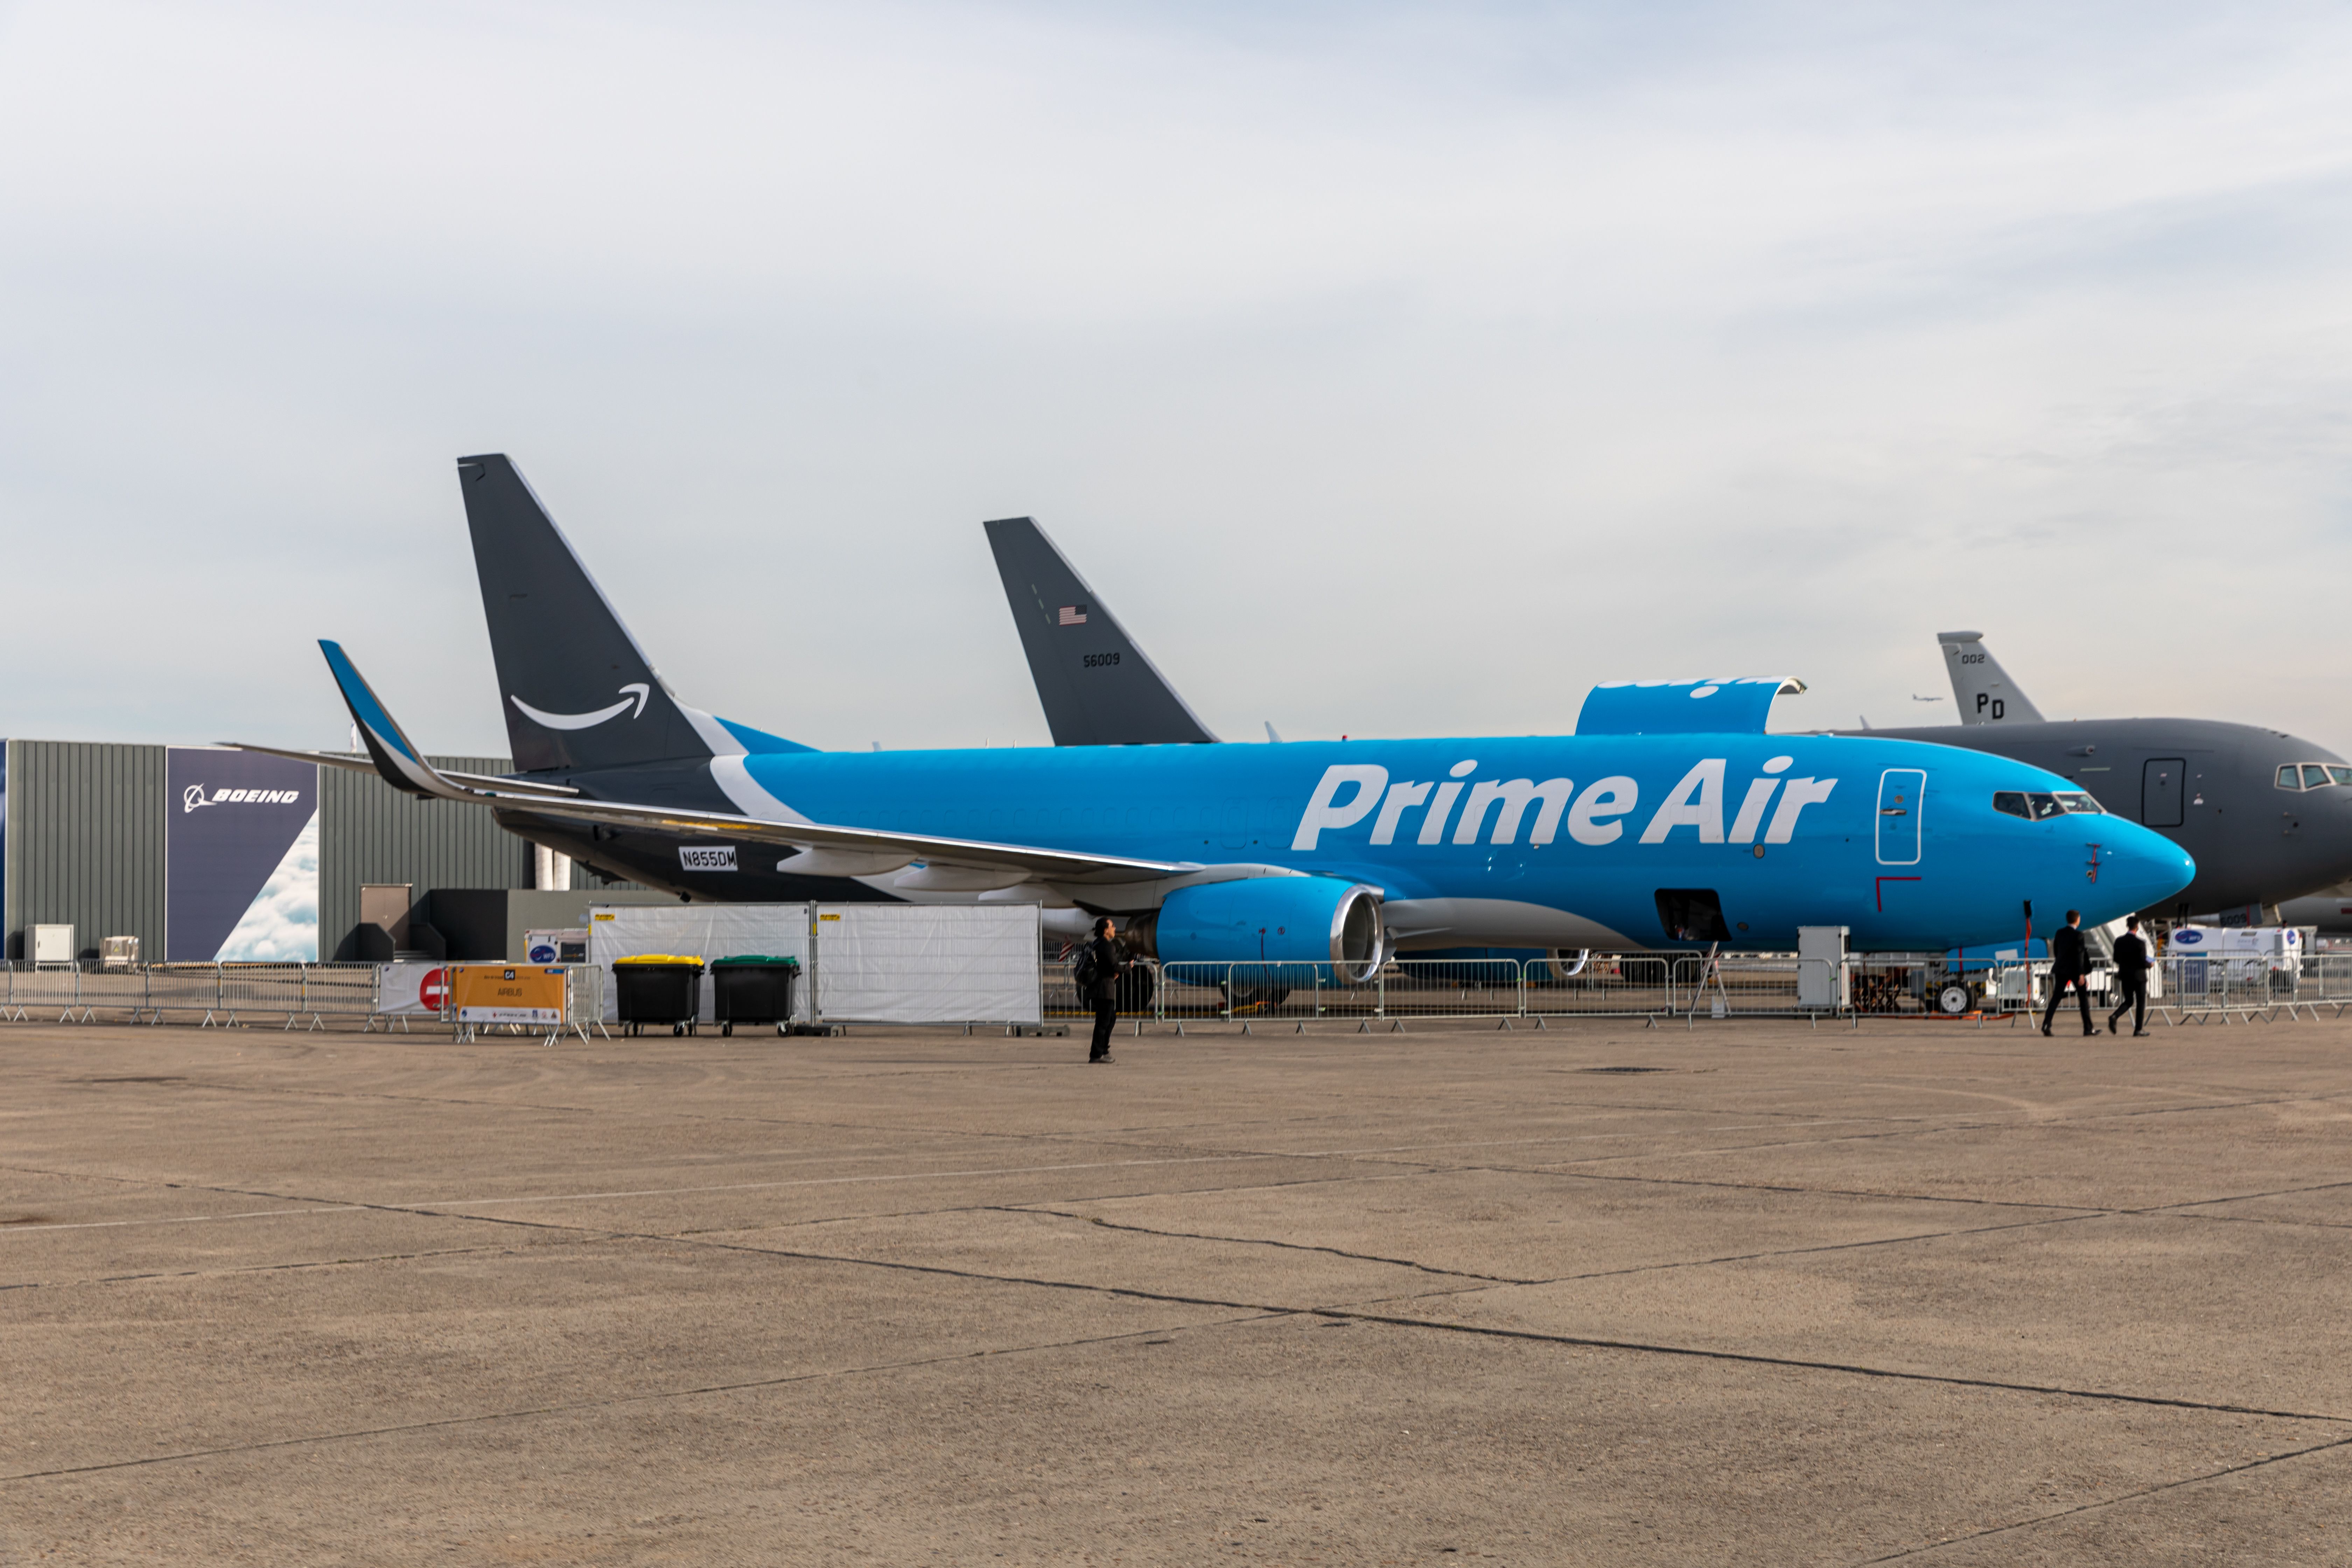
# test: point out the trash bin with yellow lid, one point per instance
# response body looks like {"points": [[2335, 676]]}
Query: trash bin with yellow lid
{"points": [[657, 988]]}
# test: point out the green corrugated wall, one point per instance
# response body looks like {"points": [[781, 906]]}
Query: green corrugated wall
{"points": [[84, 843]]}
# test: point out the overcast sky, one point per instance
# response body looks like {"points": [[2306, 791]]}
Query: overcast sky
{"points": [[1389, 370]]}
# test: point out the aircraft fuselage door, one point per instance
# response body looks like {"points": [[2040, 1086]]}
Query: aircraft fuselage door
{"points": [[1899, 794], [2160, 790]]}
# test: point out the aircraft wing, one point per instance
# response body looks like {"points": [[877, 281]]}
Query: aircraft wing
{"points": [[887, 849], [394, 757], [360, 762]]}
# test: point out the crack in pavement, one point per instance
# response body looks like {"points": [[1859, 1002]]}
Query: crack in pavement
{"points": [[1354, 1314], [572, 1406], [1262, 1241], [2101, 1503]]}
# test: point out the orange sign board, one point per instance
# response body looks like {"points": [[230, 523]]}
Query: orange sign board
{"points": [[507, 994]]}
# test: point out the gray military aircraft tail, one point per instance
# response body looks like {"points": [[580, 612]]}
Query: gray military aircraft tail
{"points": [[1983, 690], [1098, 687]]}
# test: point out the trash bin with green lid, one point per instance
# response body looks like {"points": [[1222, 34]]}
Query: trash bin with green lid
{"points": [[657, 988], [753, 988]]}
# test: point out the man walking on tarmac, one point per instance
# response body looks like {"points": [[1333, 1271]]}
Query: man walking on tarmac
{"points": [[2132, 965], [2068, 967], [1099, 966]]}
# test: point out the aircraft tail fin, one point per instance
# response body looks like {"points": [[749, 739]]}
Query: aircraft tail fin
{"points": [[576, 690], [1985, 693], [1097, 687]]}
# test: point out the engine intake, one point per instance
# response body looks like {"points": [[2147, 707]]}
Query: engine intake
{"points": [[1273, 920]]}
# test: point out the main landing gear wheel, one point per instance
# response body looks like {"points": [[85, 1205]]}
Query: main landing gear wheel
{"points": [[1952, 999]]}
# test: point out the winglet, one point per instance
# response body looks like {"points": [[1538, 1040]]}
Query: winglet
{"points": [[404, 767]]}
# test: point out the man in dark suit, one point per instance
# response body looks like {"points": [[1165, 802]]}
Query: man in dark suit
{"points": [[2069, 965], [1101, 963], [2132, 964]]}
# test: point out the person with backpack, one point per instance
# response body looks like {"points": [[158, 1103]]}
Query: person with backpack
{"points": [[1100, 963]]}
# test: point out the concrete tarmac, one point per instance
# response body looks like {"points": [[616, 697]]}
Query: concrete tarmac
{"points": [[1749, 1293]]}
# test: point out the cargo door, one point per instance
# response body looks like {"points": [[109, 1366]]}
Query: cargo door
{"points": [[2160, 790], [1899, 793]]}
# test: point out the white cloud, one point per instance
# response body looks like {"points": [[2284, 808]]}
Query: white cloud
{"points": [[1390, 370], [281, 924]]}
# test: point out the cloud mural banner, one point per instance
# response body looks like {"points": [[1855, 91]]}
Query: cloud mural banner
{"points": [[241, 857]]}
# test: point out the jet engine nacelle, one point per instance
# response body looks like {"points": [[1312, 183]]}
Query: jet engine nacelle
{"points": [[1274, 919]]}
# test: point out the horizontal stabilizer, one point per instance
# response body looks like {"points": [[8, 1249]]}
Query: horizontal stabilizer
{"points": [[1728, 705]]}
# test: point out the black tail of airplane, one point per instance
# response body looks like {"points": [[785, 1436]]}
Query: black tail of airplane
{"points": [[1097, 687], [577, 690]]}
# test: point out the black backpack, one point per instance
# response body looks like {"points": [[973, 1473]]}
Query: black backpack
{"points": [[1089, 973]]}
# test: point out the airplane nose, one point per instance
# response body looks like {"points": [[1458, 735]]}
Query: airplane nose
{"points": [[2138, 869]]}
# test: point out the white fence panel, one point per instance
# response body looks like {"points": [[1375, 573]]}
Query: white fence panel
{"points": [[929, 963], [705, 932]]}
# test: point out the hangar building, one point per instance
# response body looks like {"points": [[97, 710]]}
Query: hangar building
{"points": [[206, 853]]}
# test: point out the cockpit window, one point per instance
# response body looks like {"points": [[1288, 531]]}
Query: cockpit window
{"points": [[2039, 808], [2339, 775], [2287, 778], [2316, 776]]}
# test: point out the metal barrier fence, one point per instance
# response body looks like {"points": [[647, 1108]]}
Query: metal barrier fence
{"points": [[209, 993], [582, 1010], [2183, 990], [2233, 989], [306, 995], [1657, 986], [1631, 984]]}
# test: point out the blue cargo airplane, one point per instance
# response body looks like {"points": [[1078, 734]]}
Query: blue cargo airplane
{"points": [[1670, 819]]}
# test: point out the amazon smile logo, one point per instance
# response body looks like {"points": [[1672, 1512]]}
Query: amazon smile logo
{"points": [[587, 720]]}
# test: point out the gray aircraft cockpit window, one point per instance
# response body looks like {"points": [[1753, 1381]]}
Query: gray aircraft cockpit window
{"points": [[2037, 808], [2339, 775], [2287, 776], [2315, 776]]}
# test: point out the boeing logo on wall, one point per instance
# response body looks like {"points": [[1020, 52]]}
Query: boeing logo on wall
{"points": [[586, 721], [193, 797]]}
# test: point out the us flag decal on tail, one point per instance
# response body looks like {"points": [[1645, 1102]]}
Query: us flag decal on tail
{"points": [[1073, 615]]}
